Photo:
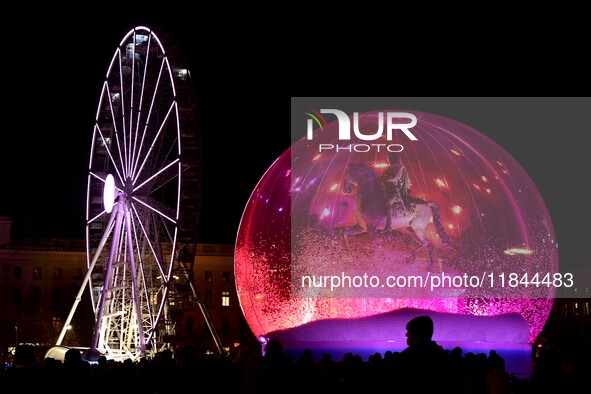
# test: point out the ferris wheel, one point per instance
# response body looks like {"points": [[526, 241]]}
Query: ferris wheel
{"points": [[143, 198]]}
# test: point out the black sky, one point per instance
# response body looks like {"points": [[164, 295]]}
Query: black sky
{"points": [[244, 72], [57, 68]]}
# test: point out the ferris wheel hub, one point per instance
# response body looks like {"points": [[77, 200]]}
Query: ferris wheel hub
{"points": [[109, 193]]}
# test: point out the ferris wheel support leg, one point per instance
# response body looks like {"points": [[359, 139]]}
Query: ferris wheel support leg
{"points": [[204, 313], [136, 295], [113, 252], [84, 283]]}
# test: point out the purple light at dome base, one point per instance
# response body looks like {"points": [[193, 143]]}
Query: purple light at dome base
{"points": [[490, 209], [506, 334]]}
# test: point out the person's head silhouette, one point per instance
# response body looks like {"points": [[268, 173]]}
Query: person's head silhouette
{"points": [[419, 330]]}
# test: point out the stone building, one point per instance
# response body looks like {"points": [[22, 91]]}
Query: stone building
{"points": [[40, 278]]}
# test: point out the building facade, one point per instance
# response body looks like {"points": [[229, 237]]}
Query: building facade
{"points": [[40, 278]]}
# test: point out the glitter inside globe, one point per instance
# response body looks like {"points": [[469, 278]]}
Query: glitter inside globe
{"points": [[300, 223]]}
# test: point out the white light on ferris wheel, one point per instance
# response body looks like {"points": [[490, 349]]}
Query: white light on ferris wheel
{"points": [[109, 193]]}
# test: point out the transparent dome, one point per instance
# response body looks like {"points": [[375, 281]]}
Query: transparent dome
{"points": [[471, 227]]}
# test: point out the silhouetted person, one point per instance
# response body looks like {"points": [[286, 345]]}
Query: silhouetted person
{"points": [[424, 364], [244, 372], [275, 370], [497, 378], [164, 372], [305, 371], [327, 376], [101, 376], [76, 372], [545, 376], [23, 376]]}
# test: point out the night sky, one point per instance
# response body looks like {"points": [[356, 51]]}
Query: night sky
{"points": [[58, 67], [54, 67]]}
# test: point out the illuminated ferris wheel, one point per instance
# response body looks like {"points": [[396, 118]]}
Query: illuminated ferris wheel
{"points": [[143, 192]]}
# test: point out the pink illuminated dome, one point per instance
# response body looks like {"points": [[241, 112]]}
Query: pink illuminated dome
{"points": [[304, 258]]}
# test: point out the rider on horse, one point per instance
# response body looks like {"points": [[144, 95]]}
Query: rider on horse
{"points": [[397, 187]]}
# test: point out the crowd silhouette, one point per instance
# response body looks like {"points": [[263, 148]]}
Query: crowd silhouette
{"points": [[423, 367]]}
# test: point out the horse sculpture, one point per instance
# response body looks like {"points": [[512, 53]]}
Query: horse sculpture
{"points": [[372, 210]]}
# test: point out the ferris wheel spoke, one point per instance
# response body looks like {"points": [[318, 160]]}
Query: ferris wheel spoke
{"points": [[122, 115], [150, 109], [158, 258], [114, 101], [132, 130], [115, 163], [159, 179], [151, 152], [157, 207]]}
